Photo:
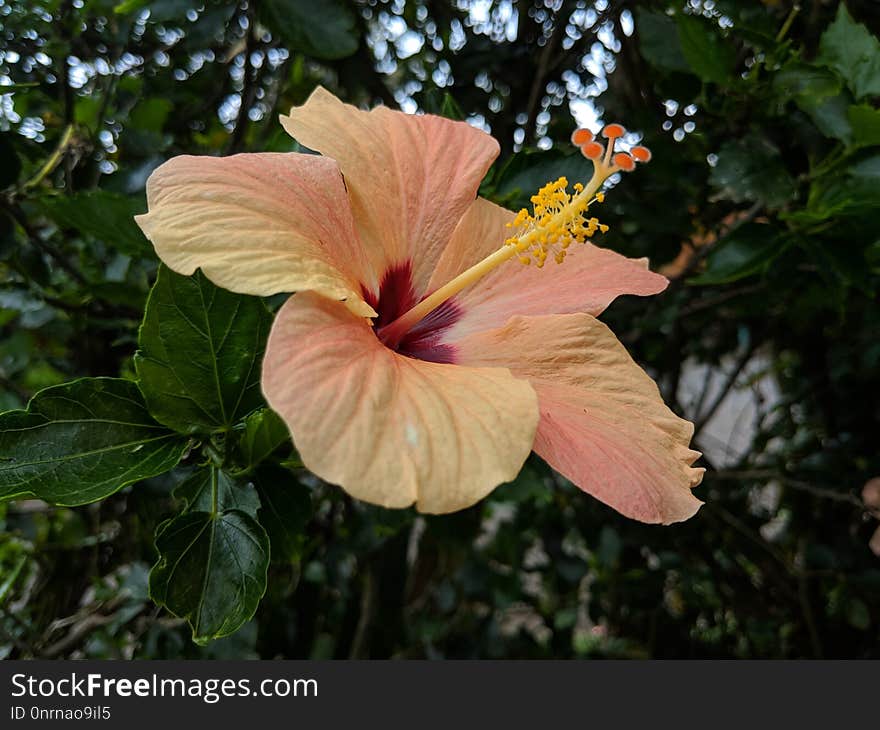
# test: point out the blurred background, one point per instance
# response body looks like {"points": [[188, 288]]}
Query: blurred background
{"points": [[761, 205]]}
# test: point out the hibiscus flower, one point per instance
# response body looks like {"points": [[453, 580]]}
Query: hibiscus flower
{"points": [[428, 350]]}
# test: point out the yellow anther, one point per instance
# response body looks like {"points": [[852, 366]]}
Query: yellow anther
{"points": [[557, 220]]}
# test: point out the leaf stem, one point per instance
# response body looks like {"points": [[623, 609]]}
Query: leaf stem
{"points": [[215, 488], [53, 160], [783, 31]]}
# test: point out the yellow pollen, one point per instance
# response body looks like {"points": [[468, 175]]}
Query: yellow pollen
{"points": [[558, 219]]}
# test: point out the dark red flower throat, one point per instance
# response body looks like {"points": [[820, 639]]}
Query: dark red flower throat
{"points": [[396, 297]]}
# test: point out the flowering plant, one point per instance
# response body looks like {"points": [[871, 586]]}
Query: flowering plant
{"points": [[415, 365]]}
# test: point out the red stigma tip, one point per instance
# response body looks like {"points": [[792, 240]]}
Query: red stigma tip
{"points": [[612, 131], [581, 136], [624, 162], [641, 154], [592, 150]]}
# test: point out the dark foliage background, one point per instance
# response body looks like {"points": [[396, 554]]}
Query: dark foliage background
{"points": [[761, 205]]}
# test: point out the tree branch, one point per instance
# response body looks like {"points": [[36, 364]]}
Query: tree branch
{"points": [[700, 420]]}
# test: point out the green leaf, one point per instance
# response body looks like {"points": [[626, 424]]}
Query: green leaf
{"points": [[200, 351], [852, 193], [82, 441], [867, 170], [86, 111], [831, 117], [211, 570], [331, 33], [150, 114], [865, 122], [264, 431], [851, 50], [129, 6], [286, 508], [214, 16], [450, 108], [707, 54], [858, 615], [106, 216], [142, 135], [200, 489], [752, 169], [10, 164], [807, 85], [659, 41], [527, 171], [746, 251]]}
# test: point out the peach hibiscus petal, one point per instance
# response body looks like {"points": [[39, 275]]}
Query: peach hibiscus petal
{"points": [[588, 280], [258, 224], [410, 178], [603, 423], [390, 429]]}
